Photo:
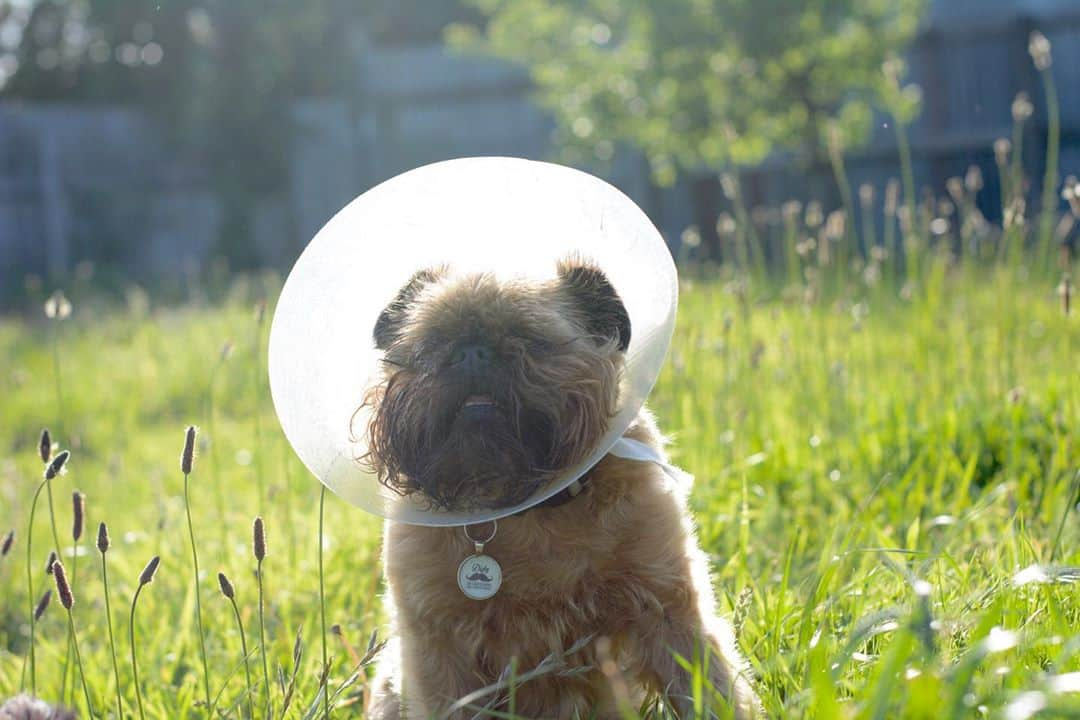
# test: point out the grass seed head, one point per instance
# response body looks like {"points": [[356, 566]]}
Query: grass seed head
{"points": [[835, 224], [1039, 49], [63, 589], [102, 538], [691, 237], [42, 605], [1002, 149], [57, 307], [725, 226], [1013, 215], [1071, 193], [188, 455], [78, 515], [742, 607], [45, 445], [973, 179], [866, 195], [50, 562], [57, 465], [955, 187], [258, 539], [5, 547], [1022, 108], [147, 575], [226, 587], [893, 69], [791, 210], [298, 646], [729, 186]]}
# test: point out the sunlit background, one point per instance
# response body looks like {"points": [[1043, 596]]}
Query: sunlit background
{"points": [[161, 142], [873, 373]]}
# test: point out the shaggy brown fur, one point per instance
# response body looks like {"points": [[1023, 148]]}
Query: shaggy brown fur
{"points": [[548, 357], [619, 562]]}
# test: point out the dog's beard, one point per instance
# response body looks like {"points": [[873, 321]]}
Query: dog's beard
{"points": [[542, 418]]}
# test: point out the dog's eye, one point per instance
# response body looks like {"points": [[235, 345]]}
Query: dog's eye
{"points": [[431, 359], [515, 345], [430, 352], [520, 345]]}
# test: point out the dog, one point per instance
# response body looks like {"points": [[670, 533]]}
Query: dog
{"points": [[490, 389]]}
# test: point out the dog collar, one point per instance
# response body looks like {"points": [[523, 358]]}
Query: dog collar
{"points": [[564, 496], [479, 575], [625, 448]]}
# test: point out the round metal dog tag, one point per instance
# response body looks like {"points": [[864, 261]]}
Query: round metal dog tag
{"points": [[479, 576]]}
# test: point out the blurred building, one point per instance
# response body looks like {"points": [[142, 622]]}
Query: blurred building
{"points": [[90, 184]]}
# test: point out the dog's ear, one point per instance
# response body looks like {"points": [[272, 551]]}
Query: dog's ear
{"points": [[388, 326], [596, 300]]}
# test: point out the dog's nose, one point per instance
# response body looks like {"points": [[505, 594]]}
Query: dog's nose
{"points": [[471, 358]]}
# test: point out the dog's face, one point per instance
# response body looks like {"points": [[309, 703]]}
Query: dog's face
{"points": [[491, 388]]}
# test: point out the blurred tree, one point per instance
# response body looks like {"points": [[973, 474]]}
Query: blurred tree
{"points": [[216, 76], [699, 84], [410, 22]]}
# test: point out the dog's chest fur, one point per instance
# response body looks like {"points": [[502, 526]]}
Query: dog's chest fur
{"points": [[606, 563], [620, 562]]}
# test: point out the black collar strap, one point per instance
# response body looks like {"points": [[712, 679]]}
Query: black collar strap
{"points": [[562, 497]]}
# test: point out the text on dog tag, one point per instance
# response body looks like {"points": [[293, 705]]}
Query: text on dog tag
{"points": [[479, 576]]}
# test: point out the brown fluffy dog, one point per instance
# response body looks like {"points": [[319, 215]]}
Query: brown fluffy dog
{"points": [[491, 388]]}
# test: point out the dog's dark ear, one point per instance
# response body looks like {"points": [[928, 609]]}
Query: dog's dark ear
{"points": [[596, 300], [388, 326]]}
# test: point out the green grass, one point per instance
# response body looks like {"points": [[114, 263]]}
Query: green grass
{"points": [[873, 472], [887, 461]]}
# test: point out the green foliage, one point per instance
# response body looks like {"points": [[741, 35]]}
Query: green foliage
{"points": [[875, 466], [216, 78], [699, 82]]}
